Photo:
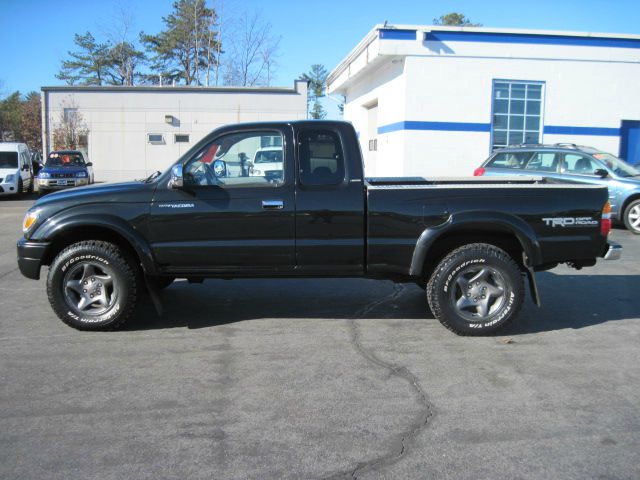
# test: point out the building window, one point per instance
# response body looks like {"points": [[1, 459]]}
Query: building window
{"points": [[155, 138], [83, 142], [70, 115], [517, 113], [271, 141], [181, 138]]}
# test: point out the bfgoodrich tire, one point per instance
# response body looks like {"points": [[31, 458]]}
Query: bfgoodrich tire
{"points": [[632, 217], [91, 286], [476, 290]]}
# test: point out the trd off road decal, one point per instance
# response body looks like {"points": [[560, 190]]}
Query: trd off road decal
{"points": [[570, 222]]}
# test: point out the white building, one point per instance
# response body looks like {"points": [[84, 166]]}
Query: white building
{"points": [[436, 100], [133, 131]]}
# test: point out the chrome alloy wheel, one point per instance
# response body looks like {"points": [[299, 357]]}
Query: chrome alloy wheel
{"points": [[634, 217], [478, 292], [90, 288]]}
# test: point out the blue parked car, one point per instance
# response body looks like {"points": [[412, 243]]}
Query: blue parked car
{"points": [[64, 169], [571, 162]]}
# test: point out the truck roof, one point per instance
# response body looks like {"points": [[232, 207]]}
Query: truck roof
{"points": [[297, 123]]}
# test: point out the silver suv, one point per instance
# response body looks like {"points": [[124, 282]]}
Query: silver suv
{"points": [[576, 163]]}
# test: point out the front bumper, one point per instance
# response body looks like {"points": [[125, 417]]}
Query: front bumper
{"points": [[30, 257], [613, 251], [60, 184], [8, 188]]}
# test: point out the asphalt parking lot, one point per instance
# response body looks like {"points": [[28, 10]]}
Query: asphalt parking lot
{"points": [[322, 379]]}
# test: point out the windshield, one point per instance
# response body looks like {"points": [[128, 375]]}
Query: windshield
{"points": [[268, 156], [616, 165], [65, 160], [8, 159]]}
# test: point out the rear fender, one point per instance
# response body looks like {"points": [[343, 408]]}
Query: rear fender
{"points": [[480, 222]]}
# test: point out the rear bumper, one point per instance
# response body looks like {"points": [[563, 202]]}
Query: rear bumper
{"points": [[613, 251], [30, 256]]}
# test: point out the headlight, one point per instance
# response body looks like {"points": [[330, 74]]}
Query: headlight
{"points": [[81, 175], [44, 175], [29, 219], [9, 178]]}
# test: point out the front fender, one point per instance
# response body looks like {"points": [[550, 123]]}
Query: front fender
{"points": [[54, 227], [482, 222]]}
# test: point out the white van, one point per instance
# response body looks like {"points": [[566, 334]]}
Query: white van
{"points": [[16, 172]]}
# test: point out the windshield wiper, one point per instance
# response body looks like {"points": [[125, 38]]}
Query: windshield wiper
{"points": [[153, 176]]}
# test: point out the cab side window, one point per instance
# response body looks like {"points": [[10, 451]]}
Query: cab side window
{"points": [[242, 159], [579, 164], [321, 158]]}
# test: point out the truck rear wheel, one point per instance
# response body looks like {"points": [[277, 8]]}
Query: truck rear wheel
{"points": [[476, 289], [92, 286]]}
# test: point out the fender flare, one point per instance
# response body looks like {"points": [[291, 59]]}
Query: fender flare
{"points": [[483, 222], [54, 227]]}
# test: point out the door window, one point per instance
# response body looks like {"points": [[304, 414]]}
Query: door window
{"points": [[576, 164], [238, 160], [509, 160], [321, 158], [544, 162]]}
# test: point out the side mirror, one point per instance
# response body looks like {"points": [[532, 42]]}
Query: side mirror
{"points": [[90, 164], [220, 168], [176, 180], [601, 172]]}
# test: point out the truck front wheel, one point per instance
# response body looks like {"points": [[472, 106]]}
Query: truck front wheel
{"points": [[476, 289], [92, 286]]}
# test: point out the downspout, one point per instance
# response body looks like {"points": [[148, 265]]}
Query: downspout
{"points": [[44, 119]]}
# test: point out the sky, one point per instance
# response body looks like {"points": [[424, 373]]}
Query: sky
{"points": [[36, 35]]}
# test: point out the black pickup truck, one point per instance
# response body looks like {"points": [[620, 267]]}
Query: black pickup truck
{"points": [[289, 199]]}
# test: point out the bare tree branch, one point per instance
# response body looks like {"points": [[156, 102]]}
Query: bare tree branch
{"points": [[252, 57]]}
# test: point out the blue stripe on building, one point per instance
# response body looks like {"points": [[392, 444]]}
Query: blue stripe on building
{"points": [[597, 131], [396, 34], [526, 38], [439, 126], [486, 127]]}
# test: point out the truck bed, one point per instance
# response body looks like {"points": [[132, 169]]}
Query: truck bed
{"points": [[401, 210]]}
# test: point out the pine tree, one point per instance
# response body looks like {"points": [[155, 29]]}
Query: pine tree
{"points": [[317, 78]]}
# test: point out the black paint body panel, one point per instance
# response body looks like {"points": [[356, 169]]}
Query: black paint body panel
{"points": [[377, 227]]}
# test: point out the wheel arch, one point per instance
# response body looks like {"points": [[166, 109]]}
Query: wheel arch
{"points": [[502, 230], [97, 227]]}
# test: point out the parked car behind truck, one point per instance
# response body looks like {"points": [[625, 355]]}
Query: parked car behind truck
{"points": [[64, 169], [574, 163], [16, 172], [468, 242]]}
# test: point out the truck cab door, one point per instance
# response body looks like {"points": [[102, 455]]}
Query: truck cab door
{"points": [[230, 215], [330, 203]]}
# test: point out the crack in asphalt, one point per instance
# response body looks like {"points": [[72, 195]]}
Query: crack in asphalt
{"points": [[421, 420], [2, 275]]}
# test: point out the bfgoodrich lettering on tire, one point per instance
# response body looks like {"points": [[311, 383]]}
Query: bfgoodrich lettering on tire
{"points": [[476, 289], [91, 286]]}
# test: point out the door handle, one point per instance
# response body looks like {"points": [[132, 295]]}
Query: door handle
{"points": [[272, 204]]}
